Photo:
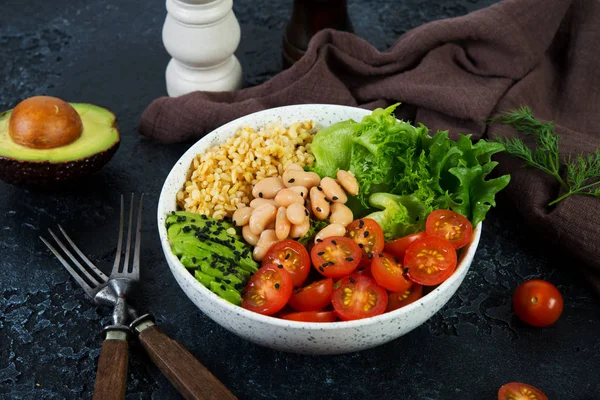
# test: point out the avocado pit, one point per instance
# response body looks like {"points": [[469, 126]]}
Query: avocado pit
{"points": [[44, 122]]}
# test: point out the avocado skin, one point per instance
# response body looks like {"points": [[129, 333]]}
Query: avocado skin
{"points": [[47, 173]]}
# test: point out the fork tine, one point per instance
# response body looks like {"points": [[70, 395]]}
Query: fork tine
{"points": [[86, 287], [99, 273], [115, 269], [81, 268], [138, 239], [129, 229]]}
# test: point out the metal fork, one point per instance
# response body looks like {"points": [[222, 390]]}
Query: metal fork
{"points": [[184, 371], [96, 283], [111, 377]]}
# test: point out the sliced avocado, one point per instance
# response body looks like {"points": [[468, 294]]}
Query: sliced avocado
{"points": [[222, 289], [94, 147]]}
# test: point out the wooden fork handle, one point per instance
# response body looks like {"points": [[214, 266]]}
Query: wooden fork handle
{"points": [[111, 377], [184, 371]]}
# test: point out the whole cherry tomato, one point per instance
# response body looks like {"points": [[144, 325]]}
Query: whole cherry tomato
{"points": [[538, 303]]}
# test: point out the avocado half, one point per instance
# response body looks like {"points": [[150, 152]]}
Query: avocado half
{"points": [[50, 141]]}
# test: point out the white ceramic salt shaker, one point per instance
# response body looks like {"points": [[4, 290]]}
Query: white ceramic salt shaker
{"points": [[201, 36]]}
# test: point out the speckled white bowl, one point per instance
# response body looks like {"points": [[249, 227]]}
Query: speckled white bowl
{"points": [[291, 336]]}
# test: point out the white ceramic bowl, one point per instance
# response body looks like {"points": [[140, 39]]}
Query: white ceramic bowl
{"points": [[291, 336]]}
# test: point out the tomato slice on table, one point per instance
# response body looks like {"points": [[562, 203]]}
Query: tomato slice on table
{"points": [[335, 256], [268, 291], [357, 297], [313, 297], [294, 258], [430, 261], [401, 299], [451, 226], [538, 303], [367, 233], [398, 247], [388, 272], [520, 391], [311, 316]]}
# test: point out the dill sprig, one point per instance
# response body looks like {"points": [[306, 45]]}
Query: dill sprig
{"points": [[582, 172]]}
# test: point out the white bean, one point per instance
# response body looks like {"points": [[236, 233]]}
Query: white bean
{"points": [[265, 241], [286, 196], [333, 191], [282, 224], [261, 217], [319, 204], [259, 202], [295, 167], [241, 216], [340, 214], [267, 188], [249, 237], [297, 214], [300, 178], [271, 224], [300, 230], [330, 230], [301, 190], [348, 182]]}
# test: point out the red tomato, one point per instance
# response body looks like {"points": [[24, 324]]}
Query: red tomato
{"points": [[268, 290], [410, 295], [451, 226], [356, 297], [538, 303], [367, 233], [520, 391], [430, 261], [311, 316], [313, 297], [388, 272], [294, 258], [364, 270], [398, 247], [335, 256]]}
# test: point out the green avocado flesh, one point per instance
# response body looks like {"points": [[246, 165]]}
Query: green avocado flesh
{"points": [[99, 134], [213, 251]]}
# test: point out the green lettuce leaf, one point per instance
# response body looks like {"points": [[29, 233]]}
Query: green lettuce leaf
{"points": [[404, 172], [400, 215]]}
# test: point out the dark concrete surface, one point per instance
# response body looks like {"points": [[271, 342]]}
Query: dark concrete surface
{"points": [[110, 53]]}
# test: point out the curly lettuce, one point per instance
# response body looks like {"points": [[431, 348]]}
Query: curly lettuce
{"points": [[404, 172]]}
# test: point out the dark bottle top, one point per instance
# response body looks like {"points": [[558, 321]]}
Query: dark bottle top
{"points": [[309, 17]]}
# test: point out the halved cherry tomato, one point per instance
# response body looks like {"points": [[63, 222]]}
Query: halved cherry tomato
{"points": [[538, 303], [364, 270], [401, 299], [449, 225], [268, 291], [335, 256], [367, 233], [357, 297], [311, 316], [520, 391], [398, 247], [294, 258], [313, 297], [388, 272], [430, 261]]}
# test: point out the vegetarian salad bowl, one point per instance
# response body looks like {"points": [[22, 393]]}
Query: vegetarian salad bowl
{"points": [[219, 292]]}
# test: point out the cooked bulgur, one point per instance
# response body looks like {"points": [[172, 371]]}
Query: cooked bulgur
{"points": [[221, 179]]}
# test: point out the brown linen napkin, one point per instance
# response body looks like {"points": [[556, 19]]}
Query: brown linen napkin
{"points": [[450, 74]]}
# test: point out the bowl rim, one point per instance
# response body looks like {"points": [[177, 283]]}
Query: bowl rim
{"points": [[176, 267]]}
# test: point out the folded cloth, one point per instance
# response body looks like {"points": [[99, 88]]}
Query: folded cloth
{"points": [[450, 74]]}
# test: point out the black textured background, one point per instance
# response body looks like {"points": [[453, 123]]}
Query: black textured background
{"points": [[110, 53]]}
